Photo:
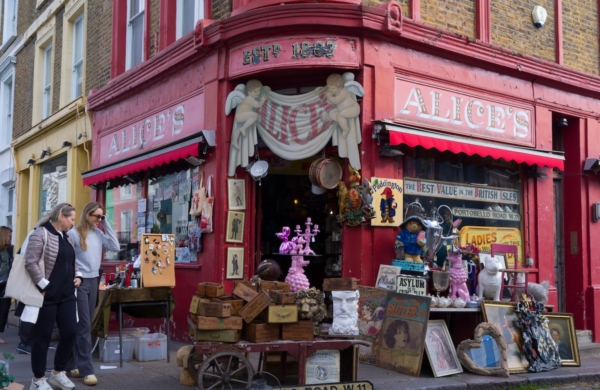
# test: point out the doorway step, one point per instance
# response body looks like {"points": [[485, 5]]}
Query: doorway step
{"points": [[587, 348]]}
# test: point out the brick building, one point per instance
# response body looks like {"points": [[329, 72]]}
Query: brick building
{"points": [[484, 112]]}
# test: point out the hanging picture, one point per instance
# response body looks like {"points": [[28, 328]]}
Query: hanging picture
{"points": [[235, 263], [402, 339], [440, 350], [386, 278], [236, 194], [371, 309], [235, 227], [387, 202]]}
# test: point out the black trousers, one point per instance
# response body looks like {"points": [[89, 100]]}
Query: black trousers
{"points": [[64, 314]]}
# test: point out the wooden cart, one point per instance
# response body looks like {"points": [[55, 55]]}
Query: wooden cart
{"points": [[219, 366]]}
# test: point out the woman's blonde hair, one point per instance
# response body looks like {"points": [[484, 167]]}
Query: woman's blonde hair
{"points": [[5, 232], [84, 226]]}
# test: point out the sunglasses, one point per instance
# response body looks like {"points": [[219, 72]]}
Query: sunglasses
{"points": [[100, 217]]}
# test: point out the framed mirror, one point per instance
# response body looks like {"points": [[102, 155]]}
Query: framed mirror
{"points": [[486, 353]]}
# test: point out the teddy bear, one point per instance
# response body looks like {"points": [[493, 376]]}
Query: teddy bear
{"points": [[412, 238]]}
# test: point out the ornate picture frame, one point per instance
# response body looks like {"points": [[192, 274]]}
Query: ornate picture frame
{"points": [[235, 263], [562, 326], [236, 194], [235, 227], [440, 350], [503, 315], [487, 359]]}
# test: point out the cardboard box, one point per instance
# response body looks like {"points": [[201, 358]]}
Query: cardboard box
{"points": [[280, 314], [215, 323], [244, 292], [236, 304], [260, 332], [299, 331], [283, 297], [340, 284], [226, 336], [214, 309], [196, 300], [267, 285], [210, 290], [255, 306]]}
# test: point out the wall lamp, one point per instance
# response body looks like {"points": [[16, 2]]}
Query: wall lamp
{"points": [[31, 161], [129, 179], [66, 144], [390, 151], [536, 175], [561, 122], [592, 164], [46, 152]]}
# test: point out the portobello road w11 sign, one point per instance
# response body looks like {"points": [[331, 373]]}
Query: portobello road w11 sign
{"points": [[461, 112], [440, 189]]}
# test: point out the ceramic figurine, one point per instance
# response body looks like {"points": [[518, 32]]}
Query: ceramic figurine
{"points": [[345, 313], [458, 277], [295, 276], [286, 246], [489, 280], [412, 237]]}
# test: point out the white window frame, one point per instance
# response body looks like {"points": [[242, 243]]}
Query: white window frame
{"points": [[6, 110], [198, 15], [9, 24], [47, 82], [130, 20], [126, 192], [10, 206], [126, 223], [77, 63]]}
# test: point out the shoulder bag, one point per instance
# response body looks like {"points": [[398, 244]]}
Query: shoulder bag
{"points": [[20, 286]]}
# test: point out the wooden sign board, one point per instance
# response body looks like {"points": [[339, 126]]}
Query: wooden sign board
{"points": [[157, 264], [411, 285], [356, 385]]}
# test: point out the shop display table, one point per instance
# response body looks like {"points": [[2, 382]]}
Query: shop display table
{"points": [[152, 302]]}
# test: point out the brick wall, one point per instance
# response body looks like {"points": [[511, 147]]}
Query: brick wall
{"points": [[454, 15], [404, 5], [22, 111], [154, 25], [580, 35], [221, 9], [98, 43], [27, 13], [58, 47], [512, 27]]}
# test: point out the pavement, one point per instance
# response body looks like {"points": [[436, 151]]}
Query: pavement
{"points": [[160, 375]]}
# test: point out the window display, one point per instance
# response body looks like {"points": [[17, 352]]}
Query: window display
{"points": [[53, 184]]}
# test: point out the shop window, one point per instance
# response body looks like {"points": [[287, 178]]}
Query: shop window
{"points": [[120, 205], [9, 206], [47, 82], [53, 184], [126, 192], [188, 13], [9, 30], [77, 76], [135, 32]]}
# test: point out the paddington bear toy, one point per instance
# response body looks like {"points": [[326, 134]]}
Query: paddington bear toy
{"points": [[412, 237]]}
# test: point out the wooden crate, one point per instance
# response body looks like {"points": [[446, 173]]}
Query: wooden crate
{"points": [[280, 314], [236, 304], [214, 309], [260, 332], [210, 290], [299, 331], [196, 300], [340, 284], [267, 285], [253, 285], [215, 323], [244, 292], [282, 297], [226, 336], [255, 306]]}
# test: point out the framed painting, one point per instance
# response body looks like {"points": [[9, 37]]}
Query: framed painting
{"points": [[236, 194], [562, 330], [503, 316], [440, 350], [235, 227], [235, 263], [386, 278]]}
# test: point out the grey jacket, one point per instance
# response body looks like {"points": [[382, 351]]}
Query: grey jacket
{"points": [[33, 253]]}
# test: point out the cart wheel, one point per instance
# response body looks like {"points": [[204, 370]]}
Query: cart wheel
{"points": [[225, 371], [195, 361]]}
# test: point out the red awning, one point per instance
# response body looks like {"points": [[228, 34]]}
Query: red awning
{"points": [[141, 163], [471, 146]]}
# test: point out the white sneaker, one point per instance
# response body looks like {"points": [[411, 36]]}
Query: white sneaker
{"points": [[40, 385], [61, 381]]}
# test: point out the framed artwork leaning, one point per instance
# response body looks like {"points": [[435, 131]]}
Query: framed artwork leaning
{"points": [[440, 350], [562, 331]]}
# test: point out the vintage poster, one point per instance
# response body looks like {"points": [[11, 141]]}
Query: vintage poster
{"points": [[323, 367], [386, 278], [411, 285], [402, 339], [371, 309], [483, 236], [387, 202]]}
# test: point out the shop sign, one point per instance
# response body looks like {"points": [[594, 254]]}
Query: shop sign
{"points": [[356, 385], [440, 189], [463, 112], [485, 214], [323, 367], [387, 202], [159, 129], [293, 51], [482, 237], [411, 285]]}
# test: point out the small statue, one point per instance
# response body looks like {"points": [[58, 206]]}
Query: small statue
{"points": [[345, 313], [311, 306], [286, 246], [412, 237], [295, 276], [458, 277]]}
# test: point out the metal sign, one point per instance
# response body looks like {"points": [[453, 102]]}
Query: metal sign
{"points": [[440, 189], [356, 385], [485, 214], [411, 285]]}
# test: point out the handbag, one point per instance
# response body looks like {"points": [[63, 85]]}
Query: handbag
{"points": [[206, 222], [20, 286]]}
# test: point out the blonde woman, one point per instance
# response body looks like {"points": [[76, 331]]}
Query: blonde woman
{"points": [[58, 283], [89, 241], [6, 259]]}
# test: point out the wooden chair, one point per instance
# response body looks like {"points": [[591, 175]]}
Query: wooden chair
{"points": [[513, 274]]}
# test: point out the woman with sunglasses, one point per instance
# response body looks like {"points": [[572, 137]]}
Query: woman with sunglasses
{"points": [[89, 241]]}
